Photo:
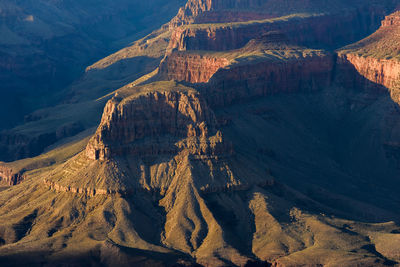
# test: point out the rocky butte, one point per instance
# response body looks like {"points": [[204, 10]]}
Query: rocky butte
{"points": [[241, 133]]}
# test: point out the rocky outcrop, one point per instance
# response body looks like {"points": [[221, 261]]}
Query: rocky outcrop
{"points": [[91, 192], [189, 12], [383, 72], [209, 11], [157, 123], [222, 38], [14, 146], [374, 61], [9, 176], [245, 81], [392, 19], [190, 67]]}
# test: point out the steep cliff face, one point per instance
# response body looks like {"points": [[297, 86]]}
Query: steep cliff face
{"points": [[265, 66], [190, 67], [376, 59], [211, 11], [330, 31], [152, 123], [298, 73], [385, 72], [188, 13]]}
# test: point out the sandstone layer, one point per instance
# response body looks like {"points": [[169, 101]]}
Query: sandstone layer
{"points": [[392, 20], [375, 60], [384, 72], [203, 171], [315, 30], [159, 117], [193, 68], [220, 11]]}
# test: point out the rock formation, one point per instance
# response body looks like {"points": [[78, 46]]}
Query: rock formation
{"points": [[9, 176], [376, 58], [383, 72], [193, 68], [247, 145], [161, 117], [245, 81], [265, 66]]}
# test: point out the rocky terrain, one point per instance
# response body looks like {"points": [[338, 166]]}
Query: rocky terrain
{"points": [[305, 24], [240, 133], [376, 57]]}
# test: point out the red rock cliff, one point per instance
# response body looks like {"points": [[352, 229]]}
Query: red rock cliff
{"points": [[190, 67], [211, 11], [374, 61], [244, 81], [9, 176], [384, 72], [156, 123]]}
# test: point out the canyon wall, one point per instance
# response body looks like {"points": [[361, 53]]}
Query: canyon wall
{"points": [[244, 81], [220, 11], [193, 68], [328, 31], [211, 11], [189, 12], [157, 123], [374, 62], [385, 72]]}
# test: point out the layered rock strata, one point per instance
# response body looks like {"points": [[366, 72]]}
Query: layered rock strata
{"points": [[156, 123], [190, 67], [245, 81], [384, 72], [375, 60], [310, 30], [208, 11], [91, 192]]}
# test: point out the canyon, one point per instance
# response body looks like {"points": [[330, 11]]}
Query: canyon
{"points": [[171, 114], [240, 133], [374, 58], [345, 22]]}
